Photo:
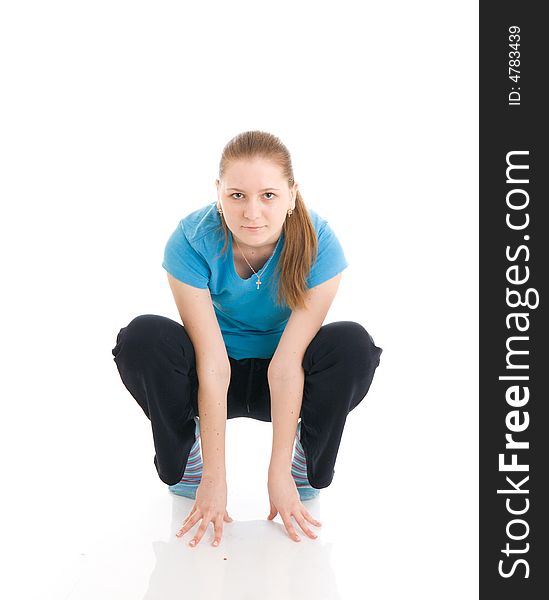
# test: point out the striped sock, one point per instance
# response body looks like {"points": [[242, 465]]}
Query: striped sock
{"points": [[193, 470], [299, 470]]}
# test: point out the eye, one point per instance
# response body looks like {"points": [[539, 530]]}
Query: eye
{"points": [[270, 194]]}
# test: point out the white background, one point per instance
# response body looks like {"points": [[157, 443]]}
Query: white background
{"points": [[113, 118]]}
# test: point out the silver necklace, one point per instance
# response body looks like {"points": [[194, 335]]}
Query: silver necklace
{"points": [[258, 282]]}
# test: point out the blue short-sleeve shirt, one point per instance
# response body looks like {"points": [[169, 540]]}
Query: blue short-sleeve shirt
{"points": [[250, 321]]}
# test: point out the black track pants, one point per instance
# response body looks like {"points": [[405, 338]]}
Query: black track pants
{"points": [[155, 358]]}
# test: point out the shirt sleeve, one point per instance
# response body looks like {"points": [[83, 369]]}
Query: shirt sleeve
{"points": [[183, 262], [330, 258]]}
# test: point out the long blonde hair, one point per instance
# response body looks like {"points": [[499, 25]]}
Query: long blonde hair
{"points": [[300, 240]]}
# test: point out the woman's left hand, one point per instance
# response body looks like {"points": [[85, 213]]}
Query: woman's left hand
{"points": [[284, 499]]}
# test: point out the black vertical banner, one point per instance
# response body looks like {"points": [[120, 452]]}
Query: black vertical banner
{"points": [[514, 296]]}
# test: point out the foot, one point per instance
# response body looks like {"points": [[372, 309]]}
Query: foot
{"points": [[299, 470], [193, 471]]}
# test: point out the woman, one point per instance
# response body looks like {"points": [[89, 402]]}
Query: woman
{"points": [[252, 335]]}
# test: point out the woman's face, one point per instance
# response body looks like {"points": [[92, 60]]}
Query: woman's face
{"points": [[254, 193]]}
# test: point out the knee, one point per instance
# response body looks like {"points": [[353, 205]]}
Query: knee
{"points": [[139, 338], [354, 341]]}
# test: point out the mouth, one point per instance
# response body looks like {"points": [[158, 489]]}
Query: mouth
{"points": [[254, 228]]}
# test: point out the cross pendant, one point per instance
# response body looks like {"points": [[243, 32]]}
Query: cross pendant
{"points": [[258, 283]]}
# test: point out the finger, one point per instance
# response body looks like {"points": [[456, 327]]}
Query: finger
{"points": [[273, 512], [189, 521], [188, 524], [228, 519], [201, 530], [218, 531], [311, 519], [193, 509], [289, 527], [189, 515], [303, 525]]}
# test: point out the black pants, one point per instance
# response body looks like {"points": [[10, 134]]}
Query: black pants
{"points": [[155, 358]]}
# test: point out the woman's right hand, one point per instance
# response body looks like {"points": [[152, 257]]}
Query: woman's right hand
{"points": [[210, 505]]}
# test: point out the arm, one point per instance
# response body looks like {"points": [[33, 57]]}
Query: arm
{"points": [[213, 370], [286, 398], [285, 374], [212, 410]]}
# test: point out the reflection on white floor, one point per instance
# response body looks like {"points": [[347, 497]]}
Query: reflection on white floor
{"points": [[255, 559], [101, 524], [143, 558]]}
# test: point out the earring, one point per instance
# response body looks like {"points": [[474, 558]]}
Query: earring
{"points": [[290, 212], [219, 210]]}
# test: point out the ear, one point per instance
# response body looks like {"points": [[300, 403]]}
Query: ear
{"points": [[217, 185], [294, 194]]}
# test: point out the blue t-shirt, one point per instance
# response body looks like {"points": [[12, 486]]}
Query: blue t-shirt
{"points": [[251, 322]]}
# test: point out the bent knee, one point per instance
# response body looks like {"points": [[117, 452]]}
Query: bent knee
{"points": [[354, 338], [139, 337]]}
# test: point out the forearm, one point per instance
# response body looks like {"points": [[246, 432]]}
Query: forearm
{"points": [[286, 390], [212, 410]]}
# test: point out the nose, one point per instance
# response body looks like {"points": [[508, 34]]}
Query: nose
{"points": [[252, 209]]}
